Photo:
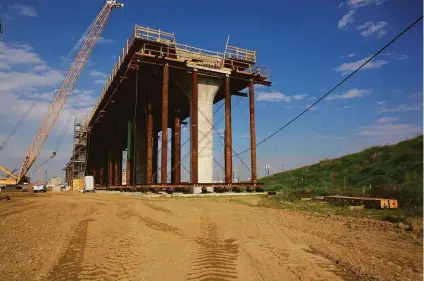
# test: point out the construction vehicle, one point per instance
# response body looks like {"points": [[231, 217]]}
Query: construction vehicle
{"points": [[89, 39]]}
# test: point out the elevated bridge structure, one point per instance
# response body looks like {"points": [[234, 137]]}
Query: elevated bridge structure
{"points": [[156, 84]]}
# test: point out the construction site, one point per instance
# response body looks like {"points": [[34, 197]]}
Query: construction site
{"points": [[124, 211], [157, 84]]}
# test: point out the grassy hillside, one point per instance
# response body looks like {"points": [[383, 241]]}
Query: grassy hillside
{"points": [[394, 171]]}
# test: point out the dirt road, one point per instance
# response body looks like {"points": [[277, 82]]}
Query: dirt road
{"points": [[78, 236]]}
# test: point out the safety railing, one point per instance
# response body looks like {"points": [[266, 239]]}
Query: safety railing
{"points": [[150, 34], [237, 53]]}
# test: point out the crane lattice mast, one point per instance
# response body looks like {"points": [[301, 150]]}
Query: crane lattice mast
{"points": [[66, 87]]}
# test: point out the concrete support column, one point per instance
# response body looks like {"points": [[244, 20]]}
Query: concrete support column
{"points": [[130, 138], [149, 160], [176, 149], [155, 158], [164, 151], [194, 143], [252, 130], [228, 134]]}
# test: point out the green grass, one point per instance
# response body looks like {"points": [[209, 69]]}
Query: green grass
{"points": [[391, 171]]}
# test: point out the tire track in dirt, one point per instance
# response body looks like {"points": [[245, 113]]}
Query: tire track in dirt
{"points": [[27, 207], [156, 207], [119, 254], [216, 259], [71, 261]]}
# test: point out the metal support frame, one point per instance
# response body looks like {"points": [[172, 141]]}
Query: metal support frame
{"points": [[194, 129], [252, 130], [176, 149], [149, 154], [228, 134], [164, 151]]}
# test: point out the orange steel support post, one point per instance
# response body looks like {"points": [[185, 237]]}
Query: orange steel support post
{"points": [[252, 130], [176, 149], [228, 137], [164, 151], [117, 167], [130, 147], [110, 166], [194, 129], [149, 166], [155, 157]]}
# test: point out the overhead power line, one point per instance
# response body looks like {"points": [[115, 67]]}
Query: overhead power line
{"points": [[338, 85]]}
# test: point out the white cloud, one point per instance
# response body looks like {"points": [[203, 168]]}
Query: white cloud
{"points": [[277, 97], [40, 67], [12, 54], [369, 28], [351, 55], [385, 120], [102, 40], [299, 97], [347, 107], [346, 19], [401, 107], [380, 102], [386, 130], [350, 94], [402, 57], [245, 136], [415, 96], [363, 3], [99, 74], [25, 10], [347, 68], [319, 136], [100, 81]]}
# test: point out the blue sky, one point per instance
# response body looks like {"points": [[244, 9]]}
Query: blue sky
{"points": [[309, 47]]}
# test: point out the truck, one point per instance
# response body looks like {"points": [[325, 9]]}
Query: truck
{"points": [[39, 188]]}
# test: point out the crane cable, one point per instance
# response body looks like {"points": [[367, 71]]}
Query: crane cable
{"points": [[335, 87], [17, 125]]}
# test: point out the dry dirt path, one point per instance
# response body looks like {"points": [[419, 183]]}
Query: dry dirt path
{"points": [[113, 237]]}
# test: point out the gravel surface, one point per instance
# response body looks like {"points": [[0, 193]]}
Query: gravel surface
{"points": [[76, 236]]}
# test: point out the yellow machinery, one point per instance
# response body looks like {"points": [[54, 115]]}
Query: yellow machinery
{"points": [[90, 39], [11, 179]]}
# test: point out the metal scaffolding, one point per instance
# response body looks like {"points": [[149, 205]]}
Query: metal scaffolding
{"points": [[79, 154]]}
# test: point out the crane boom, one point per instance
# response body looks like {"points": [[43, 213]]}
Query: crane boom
{"points": [[66, 88]]}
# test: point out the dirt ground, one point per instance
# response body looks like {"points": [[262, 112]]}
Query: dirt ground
{"points": [[75, 236]]}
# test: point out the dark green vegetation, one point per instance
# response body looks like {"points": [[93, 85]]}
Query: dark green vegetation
{"points": [[391, 171]]}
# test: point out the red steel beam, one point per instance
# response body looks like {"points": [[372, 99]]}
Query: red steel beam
{"points": [[228, 135], [176, 150], [194, 129], [149, 164], [116, 169], [155, 157], [252, 130], [164, 151]]}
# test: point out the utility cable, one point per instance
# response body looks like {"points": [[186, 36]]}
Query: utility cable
{"points": [[335, 87]]}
